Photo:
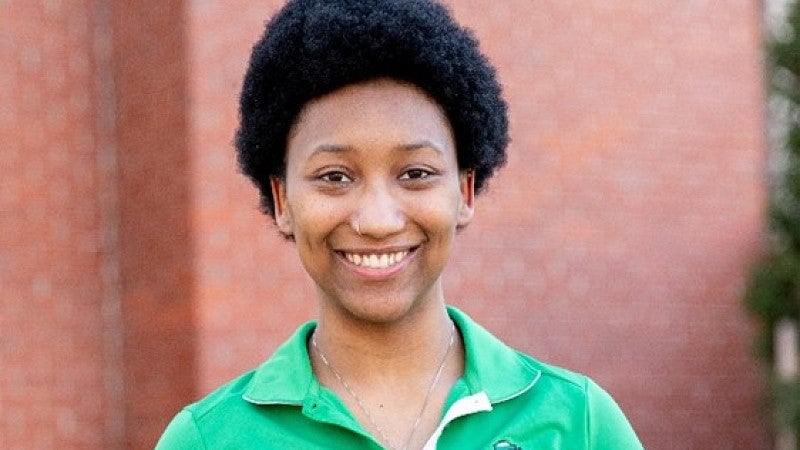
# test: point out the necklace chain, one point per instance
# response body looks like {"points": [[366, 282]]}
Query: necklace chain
{"points": [[364, 408]]}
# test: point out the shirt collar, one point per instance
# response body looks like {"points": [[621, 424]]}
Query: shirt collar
{"points": [[285, 378], [490, 367]]}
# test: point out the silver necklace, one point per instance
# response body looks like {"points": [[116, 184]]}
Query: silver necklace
{"points": [[363, 407]]}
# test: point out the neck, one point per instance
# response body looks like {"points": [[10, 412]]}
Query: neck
{"points": [[394, 377], [391, 351]]}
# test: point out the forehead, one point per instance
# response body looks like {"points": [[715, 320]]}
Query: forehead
{"points": [[375, 112]]}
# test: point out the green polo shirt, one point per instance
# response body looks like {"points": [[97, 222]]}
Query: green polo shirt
{"points": [[505, 400]]}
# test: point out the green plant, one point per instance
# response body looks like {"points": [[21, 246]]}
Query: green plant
{"points": [[773, 291]]}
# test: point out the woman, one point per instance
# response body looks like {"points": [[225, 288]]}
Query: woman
{"points": [[369, 126]]}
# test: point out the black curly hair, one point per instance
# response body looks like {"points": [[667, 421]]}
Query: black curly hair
{"points": [[313, 47]]}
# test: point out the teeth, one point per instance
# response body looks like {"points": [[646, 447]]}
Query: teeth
{"points": [[375, 260]]}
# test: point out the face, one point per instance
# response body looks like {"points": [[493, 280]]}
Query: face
{"points": [[373, 197]]}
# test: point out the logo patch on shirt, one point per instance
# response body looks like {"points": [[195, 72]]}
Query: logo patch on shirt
{"points": [[506, 445]]}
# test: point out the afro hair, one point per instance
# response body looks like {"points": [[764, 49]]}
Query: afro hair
{"points": [[313, 47]]}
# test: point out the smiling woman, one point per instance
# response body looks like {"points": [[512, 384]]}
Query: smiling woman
{"points": [[372, 195], [368, 127]]}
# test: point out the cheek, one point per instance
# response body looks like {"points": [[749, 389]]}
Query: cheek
{"points": [[315, 218], [440, 214]]}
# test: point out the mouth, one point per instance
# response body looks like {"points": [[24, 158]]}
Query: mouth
{"points": [[377, 260]]}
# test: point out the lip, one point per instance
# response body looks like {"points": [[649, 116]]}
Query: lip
{"points": [[377, 273]]}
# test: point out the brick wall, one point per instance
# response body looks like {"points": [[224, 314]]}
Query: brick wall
{"points": [[155, 222], [58, 372], [638, 151], [136, 267]]}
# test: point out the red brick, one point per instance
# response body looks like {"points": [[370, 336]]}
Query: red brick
{"points": [[136, 266]]}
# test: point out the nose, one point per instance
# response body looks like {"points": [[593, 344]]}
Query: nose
{"points": [[378, 213]]}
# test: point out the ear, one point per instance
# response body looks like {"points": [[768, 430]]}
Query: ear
{"points": [[283, 217], [467, 207]]}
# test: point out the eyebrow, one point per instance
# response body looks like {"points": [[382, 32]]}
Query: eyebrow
{"points": [[420, 145], [334, 148], [330, 148]]}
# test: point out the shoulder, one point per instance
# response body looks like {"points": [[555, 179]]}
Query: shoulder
{"points": [[184, 431], [582, 399], [284, 379], [554, 374], [554, 385], [220, 398]]}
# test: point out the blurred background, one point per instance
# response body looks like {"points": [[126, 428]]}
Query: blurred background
{"points": [[137, 274]]}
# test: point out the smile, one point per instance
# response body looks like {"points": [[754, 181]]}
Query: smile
{"points": [[375, 260]]}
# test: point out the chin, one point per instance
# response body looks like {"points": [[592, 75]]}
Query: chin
{"points": [[381, 303], [386, 312], [379, 311]]}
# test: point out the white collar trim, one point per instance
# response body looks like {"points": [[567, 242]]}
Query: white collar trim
{"points": [[468, 405]]}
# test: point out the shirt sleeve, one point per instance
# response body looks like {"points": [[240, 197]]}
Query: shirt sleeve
{"points": [[608, 428], [181, 434]]}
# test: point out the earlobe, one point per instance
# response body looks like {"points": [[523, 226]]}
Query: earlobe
{"points": [[467, 208], [283, 217]]}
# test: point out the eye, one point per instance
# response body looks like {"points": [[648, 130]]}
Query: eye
{"points": [[336, 177], [415, 174]]}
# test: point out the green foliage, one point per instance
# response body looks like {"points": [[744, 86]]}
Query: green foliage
{"points": [[784, 52], [773, 290], [786, 404], [772, 293]]}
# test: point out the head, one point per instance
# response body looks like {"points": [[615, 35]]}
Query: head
{"points": [[372, 196], [314, 47]]}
